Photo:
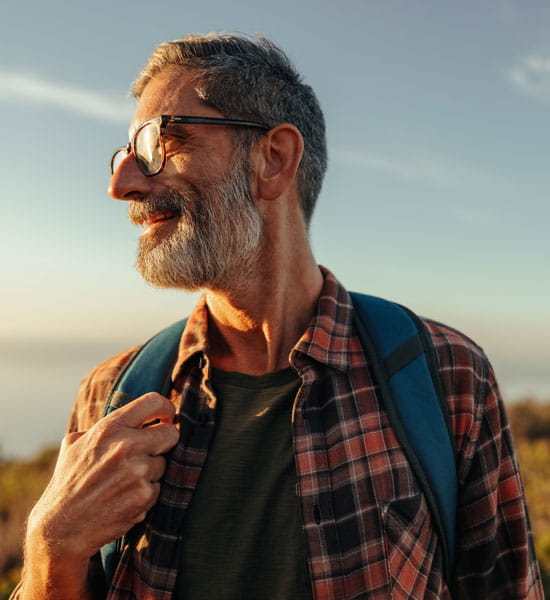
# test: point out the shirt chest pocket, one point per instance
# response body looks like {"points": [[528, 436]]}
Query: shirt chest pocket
{"points": [[411, 545]]}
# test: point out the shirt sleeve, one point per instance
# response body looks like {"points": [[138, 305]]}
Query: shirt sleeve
{"points": [[495, 555], [93, 391]]}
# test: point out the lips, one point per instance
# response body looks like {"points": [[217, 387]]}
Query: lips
{"points": [[155, 220], [159, 217], [154, 211]]}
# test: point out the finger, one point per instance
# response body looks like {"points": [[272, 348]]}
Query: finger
{"points": [[142, 410], [154, 493], [157, 466], [156, 440]]}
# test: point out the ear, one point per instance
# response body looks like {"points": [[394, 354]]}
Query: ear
{"points": [[277, 160]]}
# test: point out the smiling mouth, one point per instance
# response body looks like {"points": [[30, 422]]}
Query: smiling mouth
{"points": [[156, 220]]}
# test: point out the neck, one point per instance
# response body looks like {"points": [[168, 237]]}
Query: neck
{"points": [[254, 325]]}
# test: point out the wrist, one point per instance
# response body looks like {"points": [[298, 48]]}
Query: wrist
{"points": [[48, 537], [52, 570]]}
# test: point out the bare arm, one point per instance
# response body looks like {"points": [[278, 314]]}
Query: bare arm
{"points": [[104, 482]]}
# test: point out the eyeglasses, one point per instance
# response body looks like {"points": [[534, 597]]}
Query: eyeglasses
{"points": [[147, 145]]}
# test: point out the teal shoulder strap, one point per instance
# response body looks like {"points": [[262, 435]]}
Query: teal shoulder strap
{"points": [[150, 368], [148, 371], [406, 370]]}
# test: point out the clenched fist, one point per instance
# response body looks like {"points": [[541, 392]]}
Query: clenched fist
{"points": [[104, 482]]}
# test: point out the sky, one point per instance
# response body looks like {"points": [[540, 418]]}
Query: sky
{"points": [[436, 193]]}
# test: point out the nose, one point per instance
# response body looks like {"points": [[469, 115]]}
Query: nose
{"points": [[128, 182]]}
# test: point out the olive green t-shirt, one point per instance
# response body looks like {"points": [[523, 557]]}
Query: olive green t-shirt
{"points": [[242, 534]]}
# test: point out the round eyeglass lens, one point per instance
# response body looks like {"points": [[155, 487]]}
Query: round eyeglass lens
{"points": [[118, 157], [148, 147]]}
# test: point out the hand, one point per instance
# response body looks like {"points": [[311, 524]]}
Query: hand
{"points": [[105, 479]]}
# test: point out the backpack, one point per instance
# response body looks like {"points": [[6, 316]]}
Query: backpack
{"points": [[405, 367]]}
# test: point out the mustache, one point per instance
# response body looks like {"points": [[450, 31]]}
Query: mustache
{"points": [[147, 206]]}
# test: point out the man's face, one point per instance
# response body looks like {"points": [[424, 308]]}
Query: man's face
{"points": [[201, 226]]}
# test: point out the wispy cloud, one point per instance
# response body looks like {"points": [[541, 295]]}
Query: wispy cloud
{"points": [[426, 168], [411, 169], [16, 87], [532, 77]]}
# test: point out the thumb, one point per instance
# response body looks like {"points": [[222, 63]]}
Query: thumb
{"points": [[143, 410]]}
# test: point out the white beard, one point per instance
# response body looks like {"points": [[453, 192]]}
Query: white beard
{"points": [[217, 237]]}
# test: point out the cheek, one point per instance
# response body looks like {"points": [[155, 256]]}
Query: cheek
{"points": [[201, 166], [182, 171], [178, 164]]}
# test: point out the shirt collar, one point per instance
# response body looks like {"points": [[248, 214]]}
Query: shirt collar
{"points": [[194, 340], [328, 335], [325, 340]]}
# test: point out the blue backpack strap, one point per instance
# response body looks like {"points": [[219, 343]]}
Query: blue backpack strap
{"points": [[148, 371], [405, 367]]}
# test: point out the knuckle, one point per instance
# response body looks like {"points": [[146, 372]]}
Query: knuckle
{"points": [[154, 399], [163, 403], [158, 468], [155, 493], [120, 450], [103, 431], [170, 435], [118, 454], [146, 494], [142, 491], [164, 438], [138, 470], [139, 517]]}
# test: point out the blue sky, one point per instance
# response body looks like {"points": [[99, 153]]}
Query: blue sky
{"points": [[436, 193]]}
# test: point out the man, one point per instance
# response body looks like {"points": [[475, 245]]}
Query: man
{"points": [[271, 471]]}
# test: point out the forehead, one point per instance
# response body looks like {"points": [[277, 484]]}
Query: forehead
{"points": [[170, 92]]}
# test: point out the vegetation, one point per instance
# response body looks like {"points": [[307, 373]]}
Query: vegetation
{"points": [[531, 426], [530, 419], [21, 483]]}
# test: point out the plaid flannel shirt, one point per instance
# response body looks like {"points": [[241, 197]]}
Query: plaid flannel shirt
{"points": [[368, 527]]}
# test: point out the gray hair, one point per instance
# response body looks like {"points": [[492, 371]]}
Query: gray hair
{"points": [[252, 79]]}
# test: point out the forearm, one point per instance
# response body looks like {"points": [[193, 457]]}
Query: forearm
{"points": [[57, 584], [104, 482], [51, 573]]}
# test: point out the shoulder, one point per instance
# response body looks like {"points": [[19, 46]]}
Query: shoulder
{"points": [[94, 388], [468, 380], [460, 358], [456, 351]]}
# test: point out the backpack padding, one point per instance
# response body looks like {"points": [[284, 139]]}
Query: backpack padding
{"points": [[389, 332], [148, 371]]}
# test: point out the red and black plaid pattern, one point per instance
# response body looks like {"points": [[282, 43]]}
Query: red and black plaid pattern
{"points": [[368, 528]]}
